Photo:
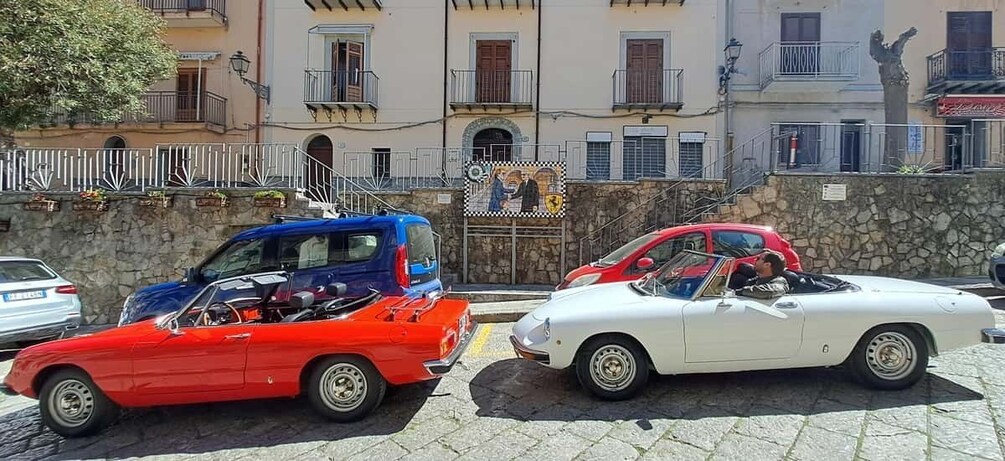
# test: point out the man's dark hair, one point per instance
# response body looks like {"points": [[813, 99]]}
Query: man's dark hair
{"points": [[776, 260]]}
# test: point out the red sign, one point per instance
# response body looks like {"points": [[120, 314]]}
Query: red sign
{"points": [[971, 106]]}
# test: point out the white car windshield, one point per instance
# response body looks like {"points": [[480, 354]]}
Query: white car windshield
{"points": [[682, 276]]}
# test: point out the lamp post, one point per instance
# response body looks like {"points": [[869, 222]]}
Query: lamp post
{"points": [[732, 54], [240, 64]]}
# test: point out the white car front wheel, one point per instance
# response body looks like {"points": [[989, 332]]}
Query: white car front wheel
{"points": [[612, 367], [890, 357]]}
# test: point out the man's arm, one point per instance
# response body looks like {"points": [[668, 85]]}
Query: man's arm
{"points": [[774, 288]]}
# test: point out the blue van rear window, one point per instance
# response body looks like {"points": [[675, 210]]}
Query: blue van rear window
{"points": [[421, 246]]}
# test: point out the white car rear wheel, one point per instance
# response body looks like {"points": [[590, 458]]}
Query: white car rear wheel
{"points": [[612, 367], [890, 357]]}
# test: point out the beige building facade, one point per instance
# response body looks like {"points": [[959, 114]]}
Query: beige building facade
{"points": [[414, 89]]}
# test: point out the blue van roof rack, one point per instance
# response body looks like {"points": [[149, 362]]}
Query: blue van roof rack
{"points": [[280, 219]]}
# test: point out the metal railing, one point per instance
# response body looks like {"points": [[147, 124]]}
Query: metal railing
{"points": [[946, 65], [215, 7], [158, 107], [648, 87], [809, 61], [479, 87], [340, 87]]}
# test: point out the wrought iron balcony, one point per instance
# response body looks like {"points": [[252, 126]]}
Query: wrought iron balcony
{"points": [[329, 89], [648, 89], [810, 62], [471, 89], [645, 2], [489, 4], [972, 71], [189, 13], [159, 107], [346, 5]]}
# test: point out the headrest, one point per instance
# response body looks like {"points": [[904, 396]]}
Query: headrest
{"points": [[336, 289], [302, 299]]}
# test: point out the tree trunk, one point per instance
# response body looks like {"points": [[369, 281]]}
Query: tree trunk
{"points": [[896, 82]]}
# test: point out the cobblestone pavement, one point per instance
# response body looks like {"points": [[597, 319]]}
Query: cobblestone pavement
{"points": [[493, 406]]}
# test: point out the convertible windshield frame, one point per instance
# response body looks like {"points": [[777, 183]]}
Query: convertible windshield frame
{"points": [[651, 282], [274, 278]]}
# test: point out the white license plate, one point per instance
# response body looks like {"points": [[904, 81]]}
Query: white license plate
{"points": [[23, 295]]}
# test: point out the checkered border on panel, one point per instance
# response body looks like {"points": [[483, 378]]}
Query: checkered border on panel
{"points": [[472, 182]]}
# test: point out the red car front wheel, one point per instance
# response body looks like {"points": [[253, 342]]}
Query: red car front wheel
{"points": [[73, 406]]}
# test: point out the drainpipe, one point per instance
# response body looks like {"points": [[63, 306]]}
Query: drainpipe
{"points": [[537, 105], [258, 73], [446, 34]]}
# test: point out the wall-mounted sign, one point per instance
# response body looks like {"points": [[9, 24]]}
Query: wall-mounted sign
{"points": [[641, 131], [511, 189], [599, 136], [197, 55], [835, 192], [988, 106], [443, 199], [692, 136]]}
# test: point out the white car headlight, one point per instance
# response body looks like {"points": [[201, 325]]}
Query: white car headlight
{"points": [[547, 328], [999, 251], [584, 280]]}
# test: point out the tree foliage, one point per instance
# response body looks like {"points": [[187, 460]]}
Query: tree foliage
{"points": [[77, 56]]}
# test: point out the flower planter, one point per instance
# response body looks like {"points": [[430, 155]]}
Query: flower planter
{"points": [[90, 206], [48, 206], [211, 202], [156, 202], [270, 202]]}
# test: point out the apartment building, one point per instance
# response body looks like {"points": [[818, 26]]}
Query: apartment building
{"points": [[414, 89], [205, 103]]}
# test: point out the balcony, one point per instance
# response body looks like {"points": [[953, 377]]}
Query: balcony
{"points": [[472, 89], [645, 2], [967, 72], [160, 107], [332, 5], [489, 4], [189, 13], [342, 90], [799, 66], [659, 89]]}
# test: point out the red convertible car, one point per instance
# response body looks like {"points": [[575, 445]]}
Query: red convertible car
{"points": [[341, 353]]}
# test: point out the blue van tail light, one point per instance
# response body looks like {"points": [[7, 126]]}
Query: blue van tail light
{"points": [[401, 262]]}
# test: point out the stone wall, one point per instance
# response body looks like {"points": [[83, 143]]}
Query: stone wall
{"points": [[111, 253], [892, 225]]}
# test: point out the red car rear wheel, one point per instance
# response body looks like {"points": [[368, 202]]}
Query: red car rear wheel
{"points": [[346, 388]]}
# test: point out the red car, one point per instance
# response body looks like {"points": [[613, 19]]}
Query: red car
{"points": [[341, 353], [651, 251]]}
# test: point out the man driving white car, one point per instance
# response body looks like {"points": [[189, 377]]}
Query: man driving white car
{"points": [[769, 282]]}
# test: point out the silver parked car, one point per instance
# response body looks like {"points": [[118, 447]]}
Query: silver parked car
{"points": [[996, 268], [35, 302]]}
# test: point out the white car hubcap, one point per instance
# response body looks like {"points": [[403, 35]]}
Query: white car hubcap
{"points": [[343, 387], [891, 356], [71, 403], [612, 367]]}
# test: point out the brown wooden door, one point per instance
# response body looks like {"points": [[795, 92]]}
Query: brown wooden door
{"points": [[348, 81], [494, 63], [644, 79], [968, 42], [187, 105], [318, 173], [800, 49]]}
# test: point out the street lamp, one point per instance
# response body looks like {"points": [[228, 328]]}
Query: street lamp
{"points": [[240, 64], [732, 52]]}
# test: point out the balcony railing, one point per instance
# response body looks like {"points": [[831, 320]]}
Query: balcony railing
{"points": [[476, 88], [214, 9], [161, 107], [813, 61], [655, 88], [966, 66], [328, 88]]}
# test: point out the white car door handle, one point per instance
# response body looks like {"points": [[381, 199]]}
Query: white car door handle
{"points": [[786, 305], [236, 337]]}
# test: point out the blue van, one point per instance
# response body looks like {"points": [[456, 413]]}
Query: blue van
{"points": [[395, 254]]}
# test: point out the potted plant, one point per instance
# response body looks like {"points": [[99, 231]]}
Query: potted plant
{"points": [[91, 200], [156, 198], [270, 199], [212, 199], [39, 202]]}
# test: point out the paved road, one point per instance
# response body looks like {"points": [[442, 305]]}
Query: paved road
{"points": [[493, 406]]}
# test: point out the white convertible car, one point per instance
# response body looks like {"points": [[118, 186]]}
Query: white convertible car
{"points": [[683, 319]]}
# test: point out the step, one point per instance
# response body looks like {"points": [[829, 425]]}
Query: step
{"points": [[494, 293], [503, 312]]}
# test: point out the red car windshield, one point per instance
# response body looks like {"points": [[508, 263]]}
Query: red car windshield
{"points": [[620, 254]]}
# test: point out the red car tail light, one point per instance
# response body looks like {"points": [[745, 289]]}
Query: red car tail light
{"points": [[67, 290], [401, 267]]}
